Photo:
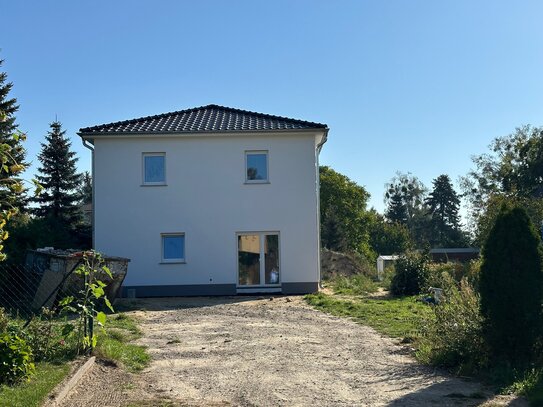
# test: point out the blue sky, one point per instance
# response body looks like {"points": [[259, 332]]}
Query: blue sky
{"points": [[415, 86]]}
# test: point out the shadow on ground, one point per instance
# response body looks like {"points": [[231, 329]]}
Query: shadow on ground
{"points": [[440, 394], [174, 303]]}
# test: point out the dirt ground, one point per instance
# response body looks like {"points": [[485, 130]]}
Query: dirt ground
{"points": [[256, 351]]}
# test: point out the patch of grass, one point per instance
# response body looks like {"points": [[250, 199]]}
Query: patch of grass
{"points": [[115, 343], [34, 392], [529, 384], [133, 357], [396, 317], [358, 284], [126, 322]]}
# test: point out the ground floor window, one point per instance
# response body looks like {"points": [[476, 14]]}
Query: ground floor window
{"points": [[173, 247], [258, 258]]}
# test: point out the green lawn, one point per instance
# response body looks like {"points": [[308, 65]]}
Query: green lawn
{"points": [[33, 393], [395, 317], [114, 345]]}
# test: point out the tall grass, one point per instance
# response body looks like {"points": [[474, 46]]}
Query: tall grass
{"points": [[453, 337], [114, 344], [358, 284]]}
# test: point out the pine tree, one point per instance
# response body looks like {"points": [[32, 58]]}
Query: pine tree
{"points": [[396, 210], [8, 107], [59, 199], [510, 285], [443, 206], [85, 189]]}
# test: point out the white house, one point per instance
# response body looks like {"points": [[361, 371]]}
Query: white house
{"points": [[209, 201]]}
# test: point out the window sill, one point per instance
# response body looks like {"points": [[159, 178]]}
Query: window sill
{"points": [[153, 185], [173, 262], [256, 182]]}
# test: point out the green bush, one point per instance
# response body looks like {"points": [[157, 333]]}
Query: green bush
{"points": [[47, 338], [510, 284], [15, 359], [411, 274], [453, 338], [456, 270], [437, 273], [472, 272], [30, 233]]}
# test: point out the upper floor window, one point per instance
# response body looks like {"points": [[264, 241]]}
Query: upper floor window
{"points": [[256, 166], [154, 168]]}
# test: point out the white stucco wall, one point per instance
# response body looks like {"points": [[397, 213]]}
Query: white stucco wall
{"points": [[205, 198]]}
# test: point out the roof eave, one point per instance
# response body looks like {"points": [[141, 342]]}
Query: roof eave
{"points": [[84, 134]]}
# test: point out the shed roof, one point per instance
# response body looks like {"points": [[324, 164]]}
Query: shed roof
{"points": [[210, 118]]}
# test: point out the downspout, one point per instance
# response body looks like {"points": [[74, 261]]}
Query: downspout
{"points": [[318, 150], [90, 146]]}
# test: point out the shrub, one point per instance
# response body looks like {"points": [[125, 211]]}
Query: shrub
{"points": [[411, 274], [47, 337], [510, 284], [453, 338], [437, 273], [15, 359], [472, 272]]}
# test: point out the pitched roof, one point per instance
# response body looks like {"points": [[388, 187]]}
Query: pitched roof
{"points": [[210, 118]]}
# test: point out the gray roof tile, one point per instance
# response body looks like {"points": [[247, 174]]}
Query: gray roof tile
{"points": [[210, 118]]}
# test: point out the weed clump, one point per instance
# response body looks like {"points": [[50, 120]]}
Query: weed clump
{"points": [[453, 337]]}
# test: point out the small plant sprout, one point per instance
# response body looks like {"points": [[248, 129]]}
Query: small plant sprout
{"points": [[88, 303]]}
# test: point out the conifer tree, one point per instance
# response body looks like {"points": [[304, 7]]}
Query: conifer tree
{"points": [[59, 179], [397, 210], [510, 284], [85, 189], [443, 206], [8, 107]]}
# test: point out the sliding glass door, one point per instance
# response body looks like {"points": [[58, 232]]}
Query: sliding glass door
{"points": [[258, 259]]}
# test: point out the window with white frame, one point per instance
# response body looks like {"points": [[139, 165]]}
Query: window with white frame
{"points": [[256, 167], [173, 247], [154, 169]]}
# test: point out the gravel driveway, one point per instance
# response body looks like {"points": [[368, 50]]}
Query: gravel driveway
{"points": [[251, 351]]}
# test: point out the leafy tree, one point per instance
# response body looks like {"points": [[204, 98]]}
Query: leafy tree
{"points": [[388, 237], [405, 201], [407, 189], [486, 219], [333, 234], [443, 205], [511, 286], [59, 178], [343, 212], [512, 171]]}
